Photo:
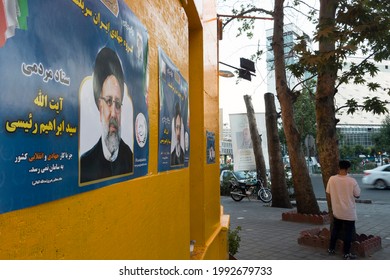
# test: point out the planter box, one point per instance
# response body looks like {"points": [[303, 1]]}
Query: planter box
{"points": [[293, 216], [363, 246]]}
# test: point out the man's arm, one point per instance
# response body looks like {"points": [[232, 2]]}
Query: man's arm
{"points": [[356, 190]]}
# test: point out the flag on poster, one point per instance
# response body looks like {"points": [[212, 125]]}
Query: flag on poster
{"points": [[13, 14], [9, 20], [23, 14]]}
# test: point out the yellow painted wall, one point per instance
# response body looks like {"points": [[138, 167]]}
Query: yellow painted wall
{"points": [[156, 216]]}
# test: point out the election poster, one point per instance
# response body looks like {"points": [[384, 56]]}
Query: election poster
{"points": [[243, 155], [73, 111], [174, 128], [210, 147]]}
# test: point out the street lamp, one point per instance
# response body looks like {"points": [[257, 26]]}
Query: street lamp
{"points": [[226, 74]]}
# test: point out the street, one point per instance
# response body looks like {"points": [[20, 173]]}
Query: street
{"points": [[367, 191]]}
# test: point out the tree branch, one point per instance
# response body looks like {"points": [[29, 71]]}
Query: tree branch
{"points": [[299, 11], [307, 5], [347, 106], [350, 73], [252, 10], [303, 82]]}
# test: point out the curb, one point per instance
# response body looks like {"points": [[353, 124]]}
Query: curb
{"points": [[366, 201]]}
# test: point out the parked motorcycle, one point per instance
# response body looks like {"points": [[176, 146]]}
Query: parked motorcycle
{"points": [[251, 189]]}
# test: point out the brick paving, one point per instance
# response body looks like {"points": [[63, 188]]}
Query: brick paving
{"points": [[265, 236]]}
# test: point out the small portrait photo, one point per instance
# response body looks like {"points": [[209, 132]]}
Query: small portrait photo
{"points": [[210, 144], [211, 154], [177, 142], [244, 139], [106, 122]]}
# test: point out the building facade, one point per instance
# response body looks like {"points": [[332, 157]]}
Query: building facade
{"points": [[225, 141], [360, 127]]}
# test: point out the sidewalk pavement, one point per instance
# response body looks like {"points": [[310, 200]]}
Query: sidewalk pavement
{"points": [[265, 236]]}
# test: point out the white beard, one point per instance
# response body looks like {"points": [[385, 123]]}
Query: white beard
{"points": [[111, 139], [178, 150]]}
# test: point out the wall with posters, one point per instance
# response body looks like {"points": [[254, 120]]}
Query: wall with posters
{"points": [[87, 89]]}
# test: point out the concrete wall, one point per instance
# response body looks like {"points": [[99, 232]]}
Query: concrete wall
{"points": [[156, 216]]}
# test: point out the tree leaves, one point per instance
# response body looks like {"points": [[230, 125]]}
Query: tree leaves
{"points": [[370, 104]]}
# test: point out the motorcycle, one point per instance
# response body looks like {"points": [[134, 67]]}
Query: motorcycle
{"points": [[250, 189]]}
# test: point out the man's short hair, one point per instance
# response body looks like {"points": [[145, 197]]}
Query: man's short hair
{"points": [[344, 164], [107, 63]]}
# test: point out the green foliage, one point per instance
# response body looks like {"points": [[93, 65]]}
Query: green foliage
{"points": [[370, 104], [359, 164], [304, 114], [358, 150], [381, 139], [234, 240], [375, 105], [256, 56], [360, 27], [348, 151], [370, 165]]}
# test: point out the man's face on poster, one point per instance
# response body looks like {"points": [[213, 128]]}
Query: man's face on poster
{"points": [[110, 106], [178, 129], [247, 135]]}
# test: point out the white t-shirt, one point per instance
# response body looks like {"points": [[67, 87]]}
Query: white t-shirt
{"points": [[343, 190]]}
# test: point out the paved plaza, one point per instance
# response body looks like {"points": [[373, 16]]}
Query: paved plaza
{"points": [[265, 236]]}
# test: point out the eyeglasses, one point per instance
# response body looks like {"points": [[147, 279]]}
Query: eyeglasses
{"points": [[109, 100]]}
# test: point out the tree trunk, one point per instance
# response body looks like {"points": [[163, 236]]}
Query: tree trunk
{"points": [[327, 144], [256, 141], [280, 195], [305, 198]]}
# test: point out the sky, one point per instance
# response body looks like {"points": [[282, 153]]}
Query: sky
{"points": [[231, 48]]}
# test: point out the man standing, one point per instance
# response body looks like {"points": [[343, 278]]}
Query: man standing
{"points": [[343, 190], [177, 155], [111, 156]]}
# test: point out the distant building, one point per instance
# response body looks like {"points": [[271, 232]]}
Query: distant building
{"points": [[225, 145], [358, 129], [226, 150]]}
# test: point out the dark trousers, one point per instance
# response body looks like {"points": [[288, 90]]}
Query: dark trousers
{"points": [[345, 227]]}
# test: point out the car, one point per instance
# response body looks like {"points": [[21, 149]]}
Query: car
{"points": [[240, 176], [378, 177]]}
